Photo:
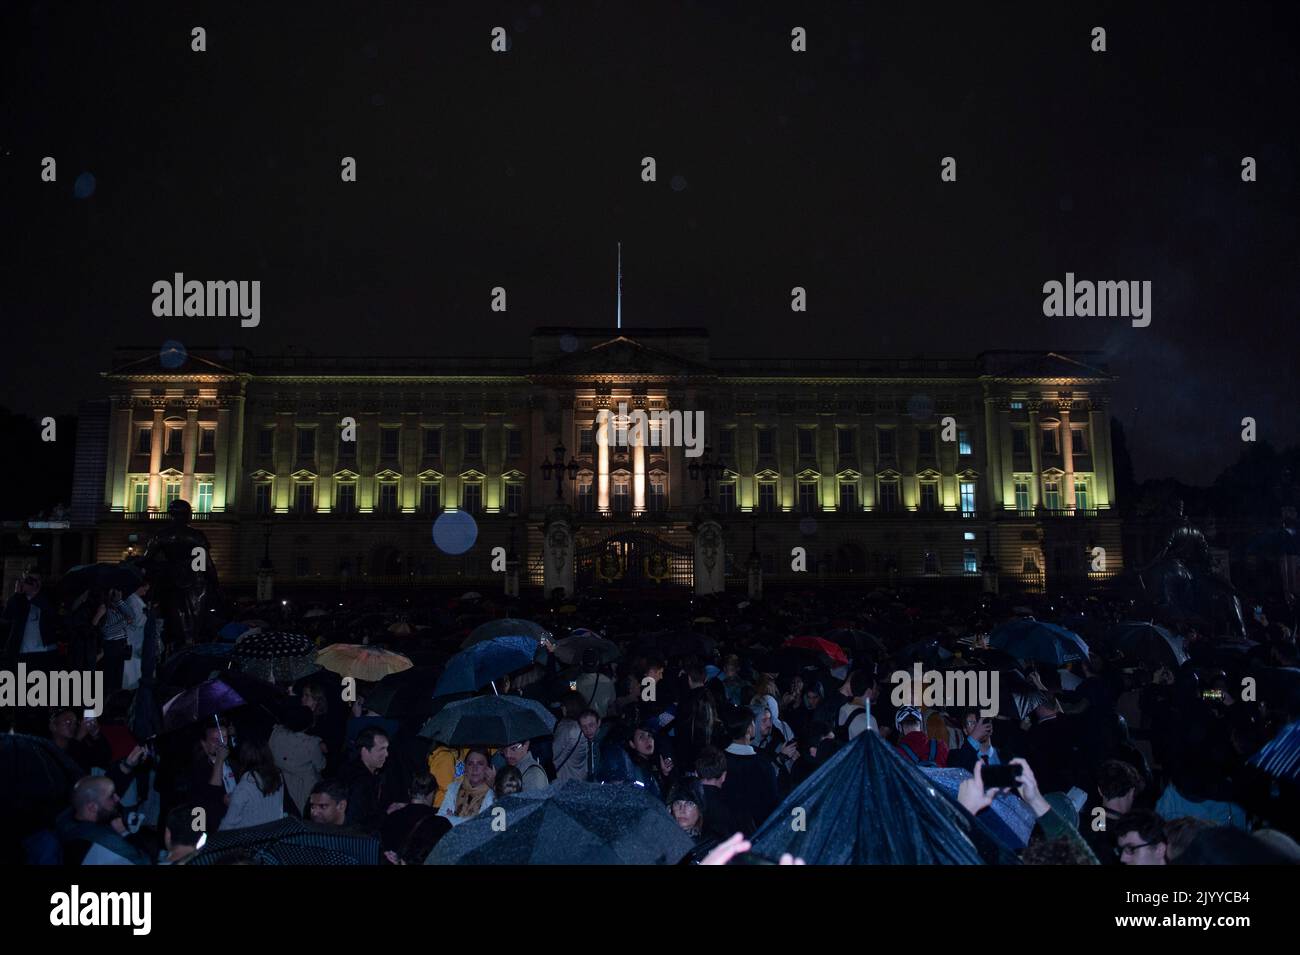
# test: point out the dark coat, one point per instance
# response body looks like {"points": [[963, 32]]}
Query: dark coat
{"points": [[15, 615], [750, 789]]}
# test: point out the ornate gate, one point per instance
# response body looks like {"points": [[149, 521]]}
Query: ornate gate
{"points": [[634, 559]]}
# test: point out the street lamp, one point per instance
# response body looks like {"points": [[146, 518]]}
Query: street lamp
{"points": [[558, 469], [708, 469]]}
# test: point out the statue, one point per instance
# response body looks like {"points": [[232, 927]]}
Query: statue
{"points": [[1182, 585], [179, 564]]}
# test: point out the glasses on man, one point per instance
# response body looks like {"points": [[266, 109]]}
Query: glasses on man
{"points": [[1129, 850]]}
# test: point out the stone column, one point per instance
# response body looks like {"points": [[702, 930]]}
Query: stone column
{"points": [[638, 472], [1102, 468], [992, 457], [1067, 454], [605, 426], [155, 460], [1035, 450], [117, 493], [191, 448]]}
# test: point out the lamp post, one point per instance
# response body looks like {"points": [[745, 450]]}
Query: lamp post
{"points": [[558, 468], [707, 469]]}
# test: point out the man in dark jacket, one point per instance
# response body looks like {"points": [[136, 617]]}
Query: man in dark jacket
{"points": [[30, 620], [750, 788], [720, 821], [370, 791]]}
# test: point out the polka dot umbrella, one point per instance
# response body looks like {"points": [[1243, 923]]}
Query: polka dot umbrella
{"points": [[275, 655]]}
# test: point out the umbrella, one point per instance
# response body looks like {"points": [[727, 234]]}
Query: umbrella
{"points": [[226, 692], [489, 720], [867, 806], [1029, 639], [233, 630], [1009, 818], [315, 612], [401, 629], [194, 664], [859, 640], [471, 595], [1280, 756], [928, 652], [1149, 643], [574, 823], [125, 577], [571, 649], [506, 627], [360, 662], [275, 656], [409, 693], [291, 841], [36, 777], [833, 652], [485, 663]]}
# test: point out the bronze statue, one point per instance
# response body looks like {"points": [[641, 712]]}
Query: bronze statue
{"points": [[179, 565], [1181, 583]]}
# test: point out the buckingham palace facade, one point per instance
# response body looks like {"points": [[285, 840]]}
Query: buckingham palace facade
{"points": [[882, 470]]}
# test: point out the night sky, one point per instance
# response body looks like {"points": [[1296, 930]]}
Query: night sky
{"points": [[775, 169]]}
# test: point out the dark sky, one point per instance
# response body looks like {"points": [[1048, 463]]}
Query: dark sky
{"points": [[818, 169]]}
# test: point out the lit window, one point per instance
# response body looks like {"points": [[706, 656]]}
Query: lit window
{"points": [[173, 491], [968, 497], [1081, 499], [1022, 496], [1017, 405], [205, 497], [968, 535], [140, 497], [963, 442], [1052, 494], [970, 562]]}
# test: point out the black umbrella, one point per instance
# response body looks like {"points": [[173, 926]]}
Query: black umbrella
{"points": [[36, 777], [292, 842], [224, 693], [489, 720], [192, 665], [405, 694], [506, 627], [276, 656], [573, 823], [867, 806], [572, 648], [124, 577]]}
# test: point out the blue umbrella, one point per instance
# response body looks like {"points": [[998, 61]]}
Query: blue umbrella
{"points": [[483, 663], [1280, 757], [1036, 640], [232, 630], [505, 627], [1009, 818]]}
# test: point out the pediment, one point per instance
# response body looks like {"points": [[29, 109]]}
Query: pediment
{"points": [[623, 356]]}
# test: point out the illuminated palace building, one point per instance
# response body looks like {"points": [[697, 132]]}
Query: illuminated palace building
{"points": [[883, 470]]}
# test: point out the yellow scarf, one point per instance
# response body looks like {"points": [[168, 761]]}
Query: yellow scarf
{"points": [[469, 799]]}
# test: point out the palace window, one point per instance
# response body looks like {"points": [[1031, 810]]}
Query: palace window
{"points": [[767, 441], [807, 444], [433, 442], [1022, 496], [586, 497], [266, 441], [889, 495], [929, 496], [846, 442], [1052, 494], [207, 441], [302, 565], [172, 492], [659, 496], [204, 497], [1050, 445], [1019, 440], [347, 451], [388, 497], [304, 495], [767, 497], [140, 497], [807, 497], [306, 443], [144, 440], [473, 442], [848, 496], [1029, 561], [963, 442], [586, 440], [970, 562], [885, 442], [925, 442], [514, 497], [930, 564], [431, 497], [622, 498], [967, 497], [727, 442], [727, 497], [514, 443], [175, 440], [345, 501], [389, 441], [1082, 501], [262, 497], [1079, 440], [471, 497], [1017, 405]]}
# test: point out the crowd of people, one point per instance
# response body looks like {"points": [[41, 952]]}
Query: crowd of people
{"points": [[1119, 757]]}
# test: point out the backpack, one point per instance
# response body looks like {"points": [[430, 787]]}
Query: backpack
{"points": [[911, 754], [842, 731]]}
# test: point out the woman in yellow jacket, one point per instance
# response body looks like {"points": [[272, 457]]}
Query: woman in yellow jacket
{"points": [[446, 765]]}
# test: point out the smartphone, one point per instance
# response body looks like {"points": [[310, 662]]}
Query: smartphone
{"points": [[1000, 777]]}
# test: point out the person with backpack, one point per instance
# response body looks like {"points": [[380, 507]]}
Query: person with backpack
{"points": [[855, 716], [915, 744]]}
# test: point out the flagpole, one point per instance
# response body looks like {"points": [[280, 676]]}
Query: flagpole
{"points": [[619, 312]]}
